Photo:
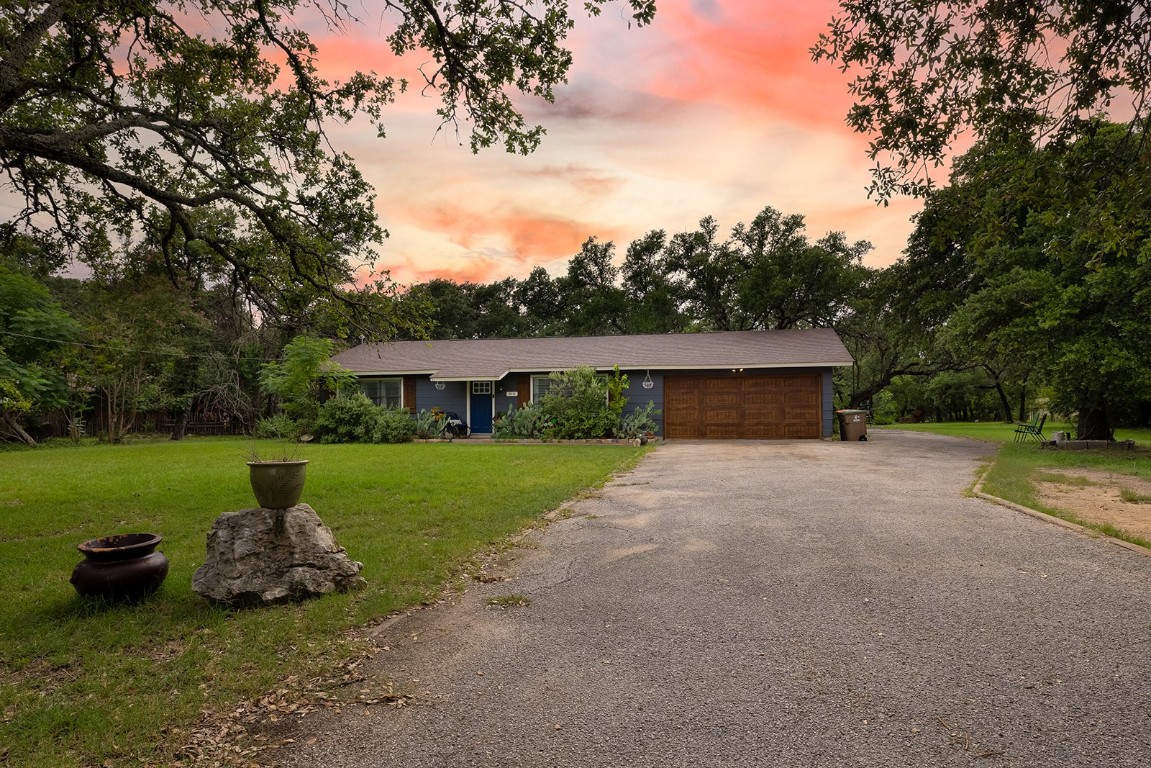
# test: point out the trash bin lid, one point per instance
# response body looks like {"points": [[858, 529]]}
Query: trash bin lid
{"points": [[850, 410]]}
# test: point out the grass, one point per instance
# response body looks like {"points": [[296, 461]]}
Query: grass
{"points": [[1134, 497], [83, 684], [1018, 466], [999, 432]]}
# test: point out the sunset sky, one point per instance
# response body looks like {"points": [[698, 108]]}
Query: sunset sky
{"points": [[715, 109]]}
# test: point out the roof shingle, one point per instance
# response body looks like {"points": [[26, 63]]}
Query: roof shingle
{"points": [[463, 359]]}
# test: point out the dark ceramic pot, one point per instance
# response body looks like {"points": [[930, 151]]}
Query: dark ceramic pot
{"points": [[125, 566], [278, 484]]}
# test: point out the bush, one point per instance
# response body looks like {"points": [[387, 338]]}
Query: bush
{"points": [[637, 423], [392, 425], [429, 424], [305, 372], [346, 419], [577, 405], [527, 423], [355, 419], [278, 427]]}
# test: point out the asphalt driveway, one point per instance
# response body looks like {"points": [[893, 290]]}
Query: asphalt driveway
{"points": [[775, 604]]}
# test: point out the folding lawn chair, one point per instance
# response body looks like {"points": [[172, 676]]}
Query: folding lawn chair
{"points": [[1032, 431]]}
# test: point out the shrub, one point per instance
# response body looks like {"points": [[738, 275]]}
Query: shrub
{"points": [[429, 423], [526, 423], [305, 372], [346, 419], [616, 384], [637, 423], [355, 419], [577, 405], [392, 425], [278, 427]]}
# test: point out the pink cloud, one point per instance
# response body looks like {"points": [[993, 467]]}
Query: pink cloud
{"points": [[583, 179], [753, 56], [528, 236], [474, 270], [716, 109]]}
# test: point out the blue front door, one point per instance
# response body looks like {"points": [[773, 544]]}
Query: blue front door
{"points": [[480, 412]]}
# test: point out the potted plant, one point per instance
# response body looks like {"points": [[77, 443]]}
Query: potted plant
{"points": [[279, 482], [297, 381]]}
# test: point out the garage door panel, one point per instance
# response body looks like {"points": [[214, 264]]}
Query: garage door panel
{"points": [[761, 416], [724, 401], [725, 415], [722, 432], [743, 407]]}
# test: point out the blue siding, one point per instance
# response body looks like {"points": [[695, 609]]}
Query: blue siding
{"points": [[509, 383], [453, 397], [638, 397], [828, 406]]}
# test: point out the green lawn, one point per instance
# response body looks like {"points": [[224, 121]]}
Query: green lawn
{"points": [[84, 684], [997, 431], [1017, 465]]}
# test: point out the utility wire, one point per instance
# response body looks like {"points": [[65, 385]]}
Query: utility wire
{"points": [[158, 353]]}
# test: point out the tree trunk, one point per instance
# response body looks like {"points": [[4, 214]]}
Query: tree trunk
{"points": [[1003, 400], [1023, 400], [1094, 424], [180, 426], [12, 425]]}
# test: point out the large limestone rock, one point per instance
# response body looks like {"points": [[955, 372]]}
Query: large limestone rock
{"points": [[261, 556]]}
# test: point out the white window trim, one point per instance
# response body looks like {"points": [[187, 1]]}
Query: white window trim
{"points": [[602, 376], [400, 379], [532, 386]]}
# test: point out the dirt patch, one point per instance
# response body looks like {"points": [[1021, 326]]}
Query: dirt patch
{"points": [[1099, 497]]}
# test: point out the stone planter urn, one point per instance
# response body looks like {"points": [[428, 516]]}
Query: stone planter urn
{"points": [[125, 566], [278, 484]]}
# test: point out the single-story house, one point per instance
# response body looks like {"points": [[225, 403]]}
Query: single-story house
{"points": [[730, 385]]}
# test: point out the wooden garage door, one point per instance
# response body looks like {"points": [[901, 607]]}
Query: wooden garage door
{"points": [[742, 407]]}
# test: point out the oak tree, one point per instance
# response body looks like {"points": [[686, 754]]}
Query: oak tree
{"points": [[1050, 267], [199, 126], [925, 73]]}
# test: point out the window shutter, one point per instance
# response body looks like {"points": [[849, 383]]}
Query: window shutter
{"points": [[410, 393]]}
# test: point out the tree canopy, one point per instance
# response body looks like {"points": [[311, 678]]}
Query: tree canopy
{"points": [[32, 325], [766, 275], [924, 73], [1044, 260], [198, 126]]}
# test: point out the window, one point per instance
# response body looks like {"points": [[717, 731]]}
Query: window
{"points": [[541, 385], [387, 392], [481, 387]]}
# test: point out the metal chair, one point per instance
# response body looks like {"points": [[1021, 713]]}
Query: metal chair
{"points": [[1032, 431]]}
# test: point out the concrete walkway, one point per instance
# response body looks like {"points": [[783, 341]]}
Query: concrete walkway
{"points": [[776, 604]]}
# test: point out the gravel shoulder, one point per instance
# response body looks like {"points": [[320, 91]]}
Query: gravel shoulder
{"points": [[761, 603], [1097, 496]]}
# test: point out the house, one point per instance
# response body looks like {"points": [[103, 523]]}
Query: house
{"points": [[730, 385]]}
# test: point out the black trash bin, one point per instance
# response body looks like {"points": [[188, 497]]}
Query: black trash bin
{"points": [[852, 425]]}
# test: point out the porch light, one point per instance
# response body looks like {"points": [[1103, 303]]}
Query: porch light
{"points": [[647, 382], [440, 385]]}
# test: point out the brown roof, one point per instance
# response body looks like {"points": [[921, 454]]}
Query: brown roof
{"points": [[463, 359]]}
